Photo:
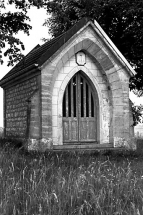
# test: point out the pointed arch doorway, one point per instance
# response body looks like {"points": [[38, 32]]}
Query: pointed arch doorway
{"points": [[80, 111]]}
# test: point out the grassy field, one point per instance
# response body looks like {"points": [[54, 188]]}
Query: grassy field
{"points": [[66, 183]]}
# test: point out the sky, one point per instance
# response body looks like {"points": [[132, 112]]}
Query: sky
{"points": [[38, 32]]}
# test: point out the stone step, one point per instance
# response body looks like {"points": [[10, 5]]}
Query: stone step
{"points": [[84, 147]]}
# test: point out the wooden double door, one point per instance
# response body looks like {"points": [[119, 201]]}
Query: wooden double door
{"points": [[79, 112]]}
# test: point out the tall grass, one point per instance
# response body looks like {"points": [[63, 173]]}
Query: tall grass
{"points": [[67, 183]]}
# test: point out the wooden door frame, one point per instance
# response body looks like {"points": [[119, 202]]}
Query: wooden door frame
{"points": [[57, 100], [87, 80], [96, 99]]}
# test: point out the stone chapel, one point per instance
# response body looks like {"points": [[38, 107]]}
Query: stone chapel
{"points": [[71, 92]]}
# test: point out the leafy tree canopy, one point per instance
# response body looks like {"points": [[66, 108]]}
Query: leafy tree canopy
{"points": [[137, 114], [122, 20], [10, 24]]}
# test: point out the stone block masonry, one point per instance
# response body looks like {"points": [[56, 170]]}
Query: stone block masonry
{"points": [[16, 102], [37, 95], [34, 116]]}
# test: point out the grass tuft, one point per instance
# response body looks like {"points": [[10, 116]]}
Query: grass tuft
{"points": [[68, 183]]}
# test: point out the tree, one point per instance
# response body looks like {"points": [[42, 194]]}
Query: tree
{"points": [[137, 114], [10, 24], [122, 20]]}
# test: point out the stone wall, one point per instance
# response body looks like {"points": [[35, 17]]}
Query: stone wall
{"points": [[52, 88], [109, 77], [34, 116], [16, 107]]}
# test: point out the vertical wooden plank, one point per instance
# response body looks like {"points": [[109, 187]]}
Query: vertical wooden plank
{"points": [[92, 106], [78, 103], [66, 131], [70, 128], [72, 99], [81, 96], [87, 100], [74, 130], [84, 96], [69, 99], [75, 97], [89, 95], [92, 130], [83, 129], [78, 100], [88, 112], [67, 104]]}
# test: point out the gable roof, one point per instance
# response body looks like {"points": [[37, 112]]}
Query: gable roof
{"points": [[32, 57], [39, 54]]}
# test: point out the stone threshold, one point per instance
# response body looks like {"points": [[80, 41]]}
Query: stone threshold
{"points": [[84, 147]]}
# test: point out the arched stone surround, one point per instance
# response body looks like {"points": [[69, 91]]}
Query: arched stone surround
{"points": [[59, 70], [62, 88], [95, 76]]}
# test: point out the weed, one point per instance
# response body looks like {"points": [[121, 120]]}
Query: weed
{"points": [[70, 183]]}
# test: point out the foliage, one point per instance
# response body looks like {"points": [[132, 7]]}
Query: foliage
{"points": [[70, 183], [10, 142], [10, 24], [122, 21], [137, 114]]}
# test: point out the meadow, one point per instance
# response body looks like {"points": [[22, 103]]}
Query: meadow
{"points": [[68, 183]]}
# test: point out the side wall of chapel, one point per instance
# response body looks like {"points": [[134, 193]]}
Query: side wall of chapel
{"points": [[20, 110]]}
